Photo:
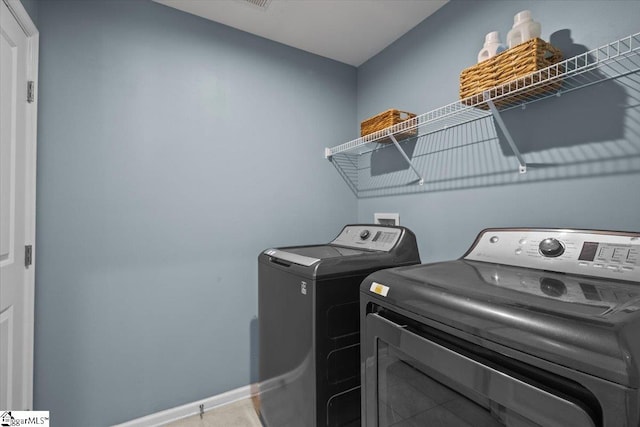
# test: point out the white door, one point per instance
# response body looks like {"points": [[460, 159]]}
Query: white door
{"points": [[17, 190]]}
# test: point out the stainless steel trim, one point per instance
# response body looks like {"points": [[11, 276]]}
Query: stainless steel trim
{"points": [[521, 248], [294, 258], [349, 237], [524, 399], [551, 230]]}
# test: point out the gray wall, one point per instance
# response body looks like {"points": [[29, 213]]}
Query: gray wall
{"points": [[583, 149], [31, 6], [171, 151]]}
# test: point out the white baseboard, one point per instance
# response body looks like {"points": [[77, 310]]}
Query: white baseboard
{"points": [[189, 409]]}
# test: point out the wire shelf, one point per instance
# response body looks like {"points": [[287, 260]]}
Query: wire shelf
{"points": [[611, 61]]}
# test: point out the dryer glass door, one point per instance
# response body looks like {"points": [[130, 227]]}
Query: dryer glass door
{"points": [[414, 381]]}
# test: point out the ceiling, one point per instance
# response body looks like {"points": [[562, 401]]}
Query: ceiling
{"points": [[349, 31]]}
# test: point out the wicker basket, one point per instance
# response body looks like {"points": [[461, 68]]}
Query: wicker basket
{"points": [[510, 65], [386, 119]]}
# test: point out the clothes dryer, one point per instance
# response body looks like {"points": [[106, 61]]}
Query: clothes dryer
{"points": [[532, 327]]}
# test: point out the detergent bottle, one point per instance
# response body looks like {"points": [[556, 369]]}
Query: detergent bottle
{"points": [[492, 46], [524, 28]]}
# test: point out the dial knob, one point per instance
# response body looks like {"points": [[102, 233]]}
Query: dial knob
{"points": [[551, 247], [364, 234], [552, 287]]}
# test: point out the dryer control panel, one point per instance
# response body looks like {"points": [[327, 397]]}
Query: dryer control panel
{"points": [[608, 254], [370, 237]]}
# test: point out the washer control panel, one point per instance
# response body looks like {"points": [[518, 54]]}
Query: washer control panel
{"points": [[371, 237], [614, 255]]}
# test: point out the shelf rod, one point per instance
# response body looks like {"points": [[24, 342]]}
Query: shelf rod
{"points": [[498, 118], [395, 142]]}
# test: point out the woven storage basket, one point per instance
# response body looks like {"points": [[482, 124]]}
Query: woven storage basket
{"points": [[386, 119], [512, 64]]}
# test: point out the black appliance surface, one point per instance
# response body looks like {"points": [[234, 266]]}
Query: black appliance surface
{"points": [[324, 251], [549, 314], [309, 369]]}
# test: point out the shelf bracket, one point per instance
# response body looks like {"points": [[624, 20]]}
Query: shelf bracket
{"points": [[395, 142], [498, 118]]}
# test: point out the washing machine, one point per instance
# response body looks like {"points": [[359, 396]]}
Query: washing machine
{"points": [[531, 327], [308, 310]]}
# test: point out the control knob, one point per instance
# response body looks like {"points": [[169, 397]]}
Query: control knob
{"points": [[551, 247], [364, 234], [552, 287]]}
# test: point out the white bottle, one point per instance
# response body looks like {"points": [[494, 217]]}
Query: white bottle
{"points": [[492, 46], [524, 28]]}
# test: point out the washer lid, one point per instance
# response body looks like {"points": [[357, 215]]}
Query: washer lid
{"points": [[310, 255], [589, 324], [324, 251], [339, 258], [566, 295]]}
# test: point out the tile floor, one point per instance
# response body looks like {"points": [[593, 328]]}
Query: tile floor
{"points": [[237, 414]]}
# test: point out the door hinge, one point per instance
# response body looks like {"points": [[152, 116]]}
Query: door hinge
{"points": [[28, 255], [30, 91]]}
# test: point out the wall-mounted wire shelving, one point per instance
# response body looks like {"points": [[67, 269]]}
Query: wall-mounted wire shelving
{"points": [[612, 61]]}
